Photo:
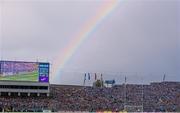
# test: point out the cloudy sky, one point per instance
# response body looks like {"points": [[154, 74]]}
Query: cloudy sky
{"points": [[139, 39]]}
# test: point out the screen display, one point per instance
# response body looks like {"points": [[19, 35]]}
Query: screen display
{"points": [[24, 71]]}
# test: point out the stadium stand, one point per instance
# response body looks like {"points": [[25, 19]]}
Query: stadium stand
{"points": [[159, 97]]}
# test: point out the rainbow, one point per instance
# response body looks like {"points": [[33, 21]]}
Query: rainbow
{"points": [[89, 28]]}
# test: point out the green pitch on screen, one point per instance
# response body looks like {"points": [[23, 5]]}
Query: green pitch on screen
{"points": [[21, 77]]}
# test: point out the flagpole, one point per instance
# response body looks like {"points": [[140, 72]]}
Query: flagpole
{"points": [[1, 37], [125, 95]]}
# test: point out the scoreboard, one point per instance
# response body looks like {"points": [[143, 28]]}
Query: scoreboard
{"points": [[24, 71], [43, 72]]}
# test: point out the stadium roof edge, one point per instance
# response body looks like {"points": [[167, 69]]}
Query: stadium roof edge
{"points": [[60, 85], [22, 61]]}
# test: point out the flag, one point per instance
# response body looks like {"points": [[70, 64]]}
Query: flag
{"points": [[125, 79], [95, 76], [85, 76], [101, 77], [164, 77], [84, 79], [89, 76], [102, 80]]}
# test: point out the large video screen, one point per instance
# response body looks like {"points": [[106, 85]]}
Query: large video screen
{"points": [[24, 71]]}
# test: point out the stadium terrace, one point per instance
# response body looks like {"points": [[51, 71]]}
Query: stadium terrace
{"points": [[157, 97], [25, 87]]}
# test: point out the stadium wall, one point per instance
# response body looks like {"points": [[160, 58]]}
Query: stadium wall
{"points": [[24, 87]]}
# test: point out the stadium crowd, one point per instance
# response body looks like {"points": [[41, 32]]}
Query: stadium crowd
{"points": [[163, 96]]}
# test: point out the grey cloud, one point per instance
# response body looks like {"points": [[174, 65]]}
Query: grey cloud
{"points": [[138, 36]]}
